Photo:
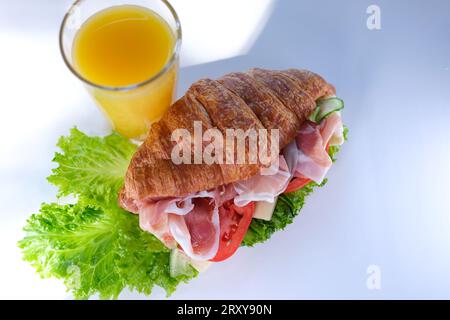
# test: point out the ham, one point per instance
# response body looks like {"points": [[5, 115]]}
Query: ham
{"points": [[198, 232], [192, 222], [263, 187], [153, 218], [307, 155], [332, 130]]}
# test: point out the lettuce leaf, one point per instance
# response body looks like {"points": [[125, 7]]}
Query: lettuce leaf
{"points": [[287, 208], [96, 251], [92, 167], [94, 246]]}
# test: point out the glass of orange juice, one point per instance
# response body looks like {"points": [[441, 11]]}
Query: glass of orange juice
{"points": [[126, 53]]}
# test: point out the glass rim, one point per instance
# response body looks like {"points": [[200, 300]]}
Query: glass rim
{"points": [[167, 66]]}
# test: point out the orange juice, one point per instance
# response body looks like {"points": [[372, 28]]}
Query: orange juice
{"points": [[122, 48]]}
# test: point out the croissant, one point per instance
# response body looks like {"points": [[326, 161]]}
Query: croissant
{"points": [[256, 99]]}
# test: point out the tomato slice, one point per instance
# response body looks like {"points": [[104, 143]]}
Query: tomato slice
{"points": [[234, 222], [297, 184]]}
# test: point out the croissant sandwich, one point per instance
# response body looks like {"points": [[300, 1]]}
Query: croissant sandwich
{"points": [[204, 208]]}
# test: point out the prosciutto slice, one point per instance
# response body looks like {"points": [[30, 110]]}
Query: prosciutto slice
{"points": [[198, 231], [263, 187], [154, 218], [191, 222], [307, 156]]}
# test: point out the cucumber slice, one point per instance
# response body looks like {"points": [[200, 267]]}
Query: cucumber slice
{"points": [[327, 107], [180, 264], [313, 116]]}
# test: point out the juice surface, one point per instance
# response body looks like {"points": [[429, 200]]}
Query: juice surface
{"points": [[122, 45]]}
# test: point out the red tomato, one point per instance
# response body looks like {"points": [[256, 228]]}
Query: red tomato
{"points": [[297, 184], [234, 222]]}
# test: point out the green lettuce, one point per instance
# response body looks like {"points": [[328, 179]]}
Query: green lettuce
{"points": [[94, 246], [92, 167]]}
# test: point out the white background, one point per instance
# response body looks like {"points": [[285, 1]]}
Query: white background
{"points": [[387, 202]]}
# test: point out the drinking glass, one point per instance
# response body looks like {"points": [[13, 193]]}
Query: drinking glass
{"points": [[133, 108]]}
